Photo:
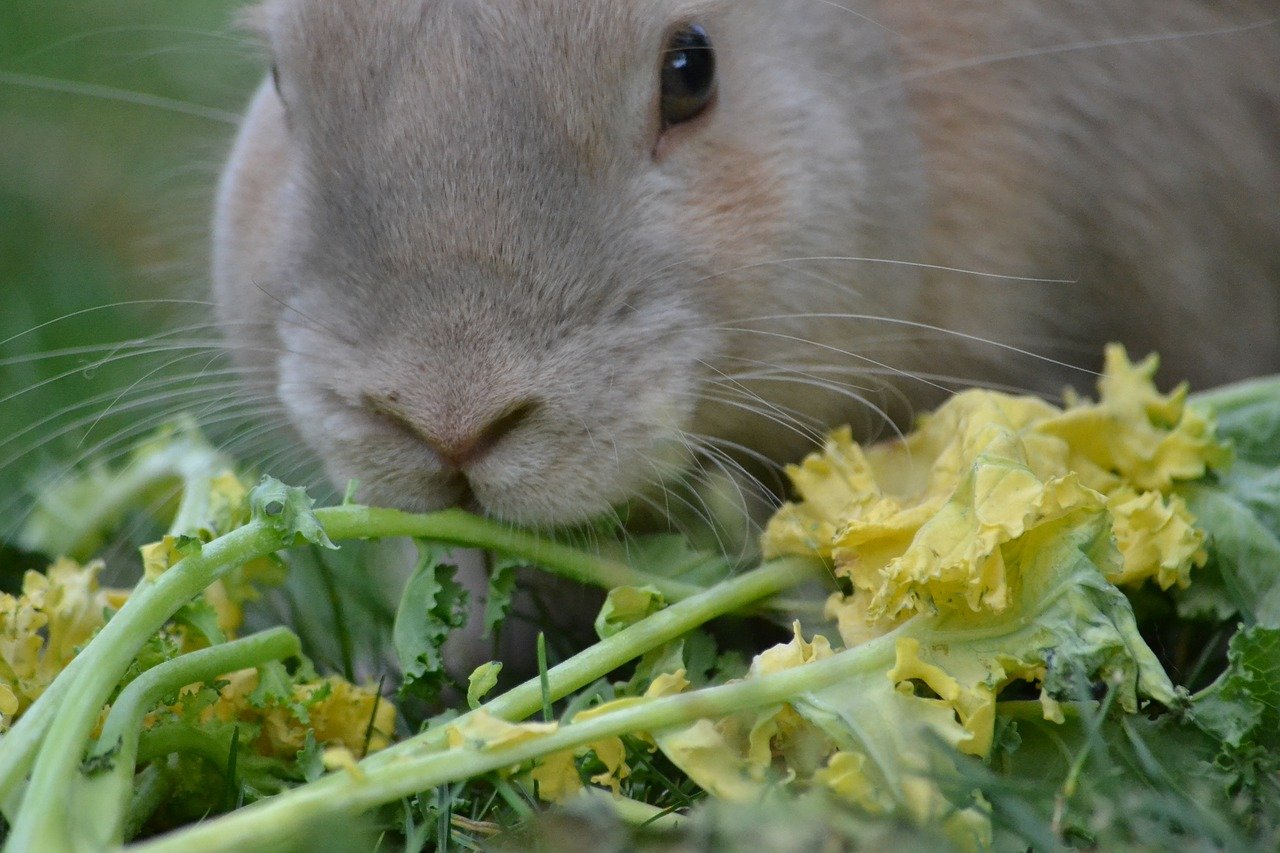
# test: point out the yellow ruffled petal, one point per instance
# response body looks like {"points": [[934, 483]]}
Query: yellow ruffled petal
{"points": [[834, 484], [1134, 435], [974, 704], [9, 703], [667, 684], [919, 524], [612, 754], [1157, 538], [798, 652], [711, 761], [341, 758], [158, 557], [845, 775], [557, 777], [481, 730]]}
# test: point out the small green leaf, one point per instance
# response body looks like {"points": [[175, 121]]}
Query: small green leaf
{"points": [[288, 510], [626, 606], [502, 586], [199, 615], [433, 605], [1242, 707], [275, 687], [669, 555], [311, 758], [1241, 711], [700, 654], [480, 682], [349, 496], [194, 703], [543, 681], [1240, 509]]}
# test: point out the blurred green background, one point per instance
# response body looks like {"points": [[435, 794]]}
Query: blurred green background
{"points": [[114, 118]]}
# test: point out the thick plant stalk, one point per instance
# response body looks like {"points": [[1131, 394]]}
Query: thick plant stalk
{"points": [[60, 733], [457, 527], [40, 824], [269, 824], [345, 793], [194, 463], [105, 796]]}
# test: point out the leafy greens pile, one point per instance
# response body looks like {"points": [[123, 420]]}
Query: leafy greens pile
{"points": [[1044, 626]]}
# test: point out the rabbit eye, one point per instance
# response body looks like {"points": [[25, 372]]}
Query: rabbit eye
{"points": [[688, 75]]}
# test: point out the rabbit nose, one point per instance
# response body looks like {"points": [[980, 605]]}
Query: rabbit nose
{"points": [[458, 440]]}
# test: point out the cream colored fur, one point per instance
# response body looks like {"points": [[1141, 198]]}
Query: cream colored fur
{"points": [[465, 204]]}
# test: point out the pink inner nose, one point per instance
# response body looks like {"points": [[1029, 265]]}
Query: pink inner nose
{"points": [[457, 445]]}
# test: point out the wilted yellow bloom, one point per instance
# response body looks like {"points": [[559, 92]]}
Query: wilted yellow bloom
{"points": [[921, 524], [714, 761], [341, 758], [340, 718], [1157, 537], [798, 652], [557, 777], [845, 774], [482, 730], [43, 628], [1135, 435]]}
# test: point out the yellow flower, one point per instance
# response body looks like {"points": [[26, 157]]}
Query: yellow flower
{"points": [[43, 628], [921, 524], [1157, 537], [482, 730], [790, 655], [835, 484], [340, 718], [557, 777], [1134, 435]]}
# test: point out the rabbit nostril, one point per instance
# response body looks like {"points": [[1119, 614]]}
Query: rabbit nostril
{"points": [[461, 453], [460, 443]]}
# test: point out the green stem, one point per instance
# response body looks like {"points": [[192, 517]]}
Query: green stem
{"points": [[457, 527], [185, 739], [155, 784], [194, 462], [604, 657], [268, 823], [99, 802], [43, 822], [72, 532], [99, 667]]}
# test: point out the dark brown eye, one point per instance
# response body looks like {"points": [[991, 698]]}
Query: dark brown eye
{"points": [[275, 80], [688, 75]]}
